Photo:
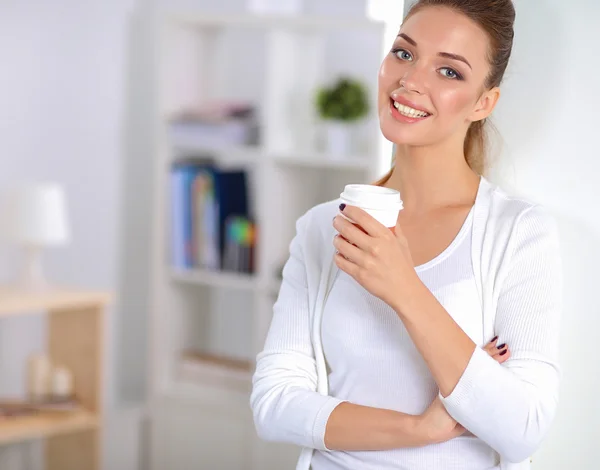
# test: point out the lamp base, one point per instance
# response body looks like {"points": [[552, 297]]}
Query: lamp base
{"points": [[32, 277]]}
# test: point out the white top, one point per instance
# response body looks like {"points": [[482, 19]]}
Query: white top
{"points": [[373, 361], [515, 262]]}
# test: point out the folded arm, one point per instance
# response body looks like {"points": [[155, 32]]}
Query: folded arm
{"points": [[509, 406], [520, 397]]}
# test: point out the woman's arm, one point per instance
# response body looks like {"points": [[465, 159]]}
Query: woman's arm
{"points": [[521, 397], [511, 407], [351, 426], [284, 400], [354, 427]]}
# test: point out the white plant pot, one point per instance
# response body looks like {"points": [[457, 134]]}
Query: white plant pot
{"points": [[338, 139]]}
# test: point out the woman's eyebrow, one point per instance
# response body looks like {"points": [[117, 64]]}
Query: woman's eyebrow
{"points": [[447, 55]]}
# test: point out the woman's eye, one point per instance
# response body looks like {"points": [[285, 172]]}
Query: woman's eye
{"points": [[403, 54], [450, 73]]}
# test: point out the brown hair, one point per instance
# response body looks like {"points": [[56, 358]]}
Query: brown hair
{"points": [[496, 18]]}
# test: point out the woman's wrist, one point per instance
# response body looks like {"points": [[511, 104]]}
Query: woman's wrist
{"points": [[425, 432], [414, 426], [422, 430], [410, 296]]}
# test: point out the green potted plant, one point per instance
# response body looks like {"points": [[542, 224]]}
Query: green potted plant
{"points": [[341, 105]]}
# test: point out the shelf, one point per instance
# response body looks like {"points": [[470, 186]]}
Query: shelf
{"points": [[323, 161], [14, 301], [215, 371], [293, 22], [224, 154], [253, 155], [16, 429], [225, 399], [216, 279]]}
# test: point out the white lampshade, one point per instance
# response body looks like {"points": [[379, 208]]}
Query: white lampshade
{"points": [[37, 215]]}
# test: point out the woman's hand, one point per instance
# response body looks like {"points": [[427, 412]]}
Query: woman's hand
{"points": [[436, 425], [499, 352], [376, 257]]}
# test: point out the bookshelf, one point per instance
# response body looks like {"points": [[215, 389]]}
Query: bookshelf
{"points": [[75, 340], [208, 326]]}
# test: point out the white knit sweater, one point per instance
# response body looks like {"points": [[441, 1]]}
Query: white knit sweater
{"points": [[516, 263]]}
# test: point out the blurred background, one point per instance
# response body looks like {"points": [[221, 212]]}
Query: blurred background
{"points": [[154, 156]]}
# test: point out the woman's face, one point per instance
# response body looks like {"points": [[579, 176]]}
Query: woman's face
{"points": [[432, 83]]}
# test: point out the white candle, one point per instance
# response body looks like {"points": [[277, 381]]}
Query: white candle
{"points": [[39, 372], [62, 383]]}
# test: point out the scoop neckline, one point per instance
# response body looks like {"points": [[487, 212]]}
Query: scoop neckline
{"points": [[464, 230]]}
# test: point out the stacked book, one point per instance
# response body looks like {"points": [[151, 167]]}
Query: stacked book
{"points": [[215, 126]]}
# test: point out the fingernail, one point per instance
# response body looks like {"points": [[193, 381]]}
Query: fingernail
{"points": [[503, 352], [342, 207], [502, 346], [494, 339]]}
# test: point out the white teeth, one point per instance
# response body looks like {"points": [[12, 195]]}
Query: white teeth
{"points": [[408, 111]]}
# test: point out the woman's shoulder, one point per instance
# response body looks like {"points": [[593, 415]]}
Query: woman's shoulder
{"points": [[520, 213], [316, 224], [321, 215]]}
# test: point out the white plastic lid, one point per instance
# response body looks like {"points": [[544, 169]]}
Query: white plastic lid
{"points": [[367, 196]]}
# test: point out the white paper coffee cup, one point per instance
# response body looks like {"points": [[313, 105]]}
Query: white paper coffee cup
{"points": [[383, 204]]}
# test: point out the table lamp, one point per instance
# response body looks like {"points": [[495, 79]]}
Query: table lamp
{"points": [[37, 219]]}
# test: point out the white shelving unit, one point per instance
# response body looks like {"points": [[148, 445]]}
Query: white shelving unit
{"points": [[276, 63]]}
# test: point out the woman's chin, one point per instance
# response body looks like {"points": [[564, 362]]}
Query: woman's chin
{"points": [[402, 136]]}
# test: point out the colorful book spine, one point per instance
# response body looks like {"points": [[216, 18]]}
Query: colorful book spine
{"points": [[211, 226]]}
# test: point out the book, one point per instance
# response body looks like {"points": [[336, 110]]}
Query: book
{"points": [[209, 211]]}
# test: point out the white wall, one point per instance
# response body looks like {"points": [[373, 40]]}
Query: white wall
{"points": [[62, 97], [61, 90], [548, 120]]}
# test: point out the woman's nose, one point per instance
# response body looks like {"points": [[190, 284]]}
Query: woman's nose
{"points": [[413, 80]]}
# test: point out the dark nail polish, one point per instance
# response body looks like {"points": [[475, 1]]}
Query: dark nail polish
{"points": [[503, 352], [502, 346], [342, 207], [494, 339]]}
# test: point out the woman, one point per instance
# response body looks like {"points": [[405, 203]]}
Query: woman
{"points": [[382, 357]]}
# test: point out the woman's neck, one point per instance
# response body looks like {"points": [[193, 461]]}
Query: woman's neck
{"points": [[431, 178]]}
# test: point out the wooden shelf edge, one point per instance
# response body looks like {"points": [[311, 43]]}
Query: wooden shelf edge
{"points": [[15, 301], [46, 424]]}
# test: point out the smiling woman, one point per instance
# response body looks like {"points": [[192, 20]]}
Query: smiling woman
{"points": [[433, 346], [426, 49]]}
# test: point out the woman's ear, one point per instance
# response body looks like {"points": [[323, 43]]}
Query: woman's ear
{"points": [[486, 104]]}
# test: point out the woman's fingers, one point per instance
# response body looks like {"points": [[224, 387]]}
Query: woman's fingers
{"points": [[499, 352], [347, 249], [502, 355], [490, 348]]}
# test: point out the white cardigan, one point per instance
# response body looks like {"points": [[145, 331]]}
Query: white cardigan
{"points": [[510, 406]]}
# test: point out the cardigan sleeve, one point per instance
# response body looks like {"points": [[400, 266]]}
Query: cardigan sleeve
{"points": [[284, 401], [511, 406]]}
